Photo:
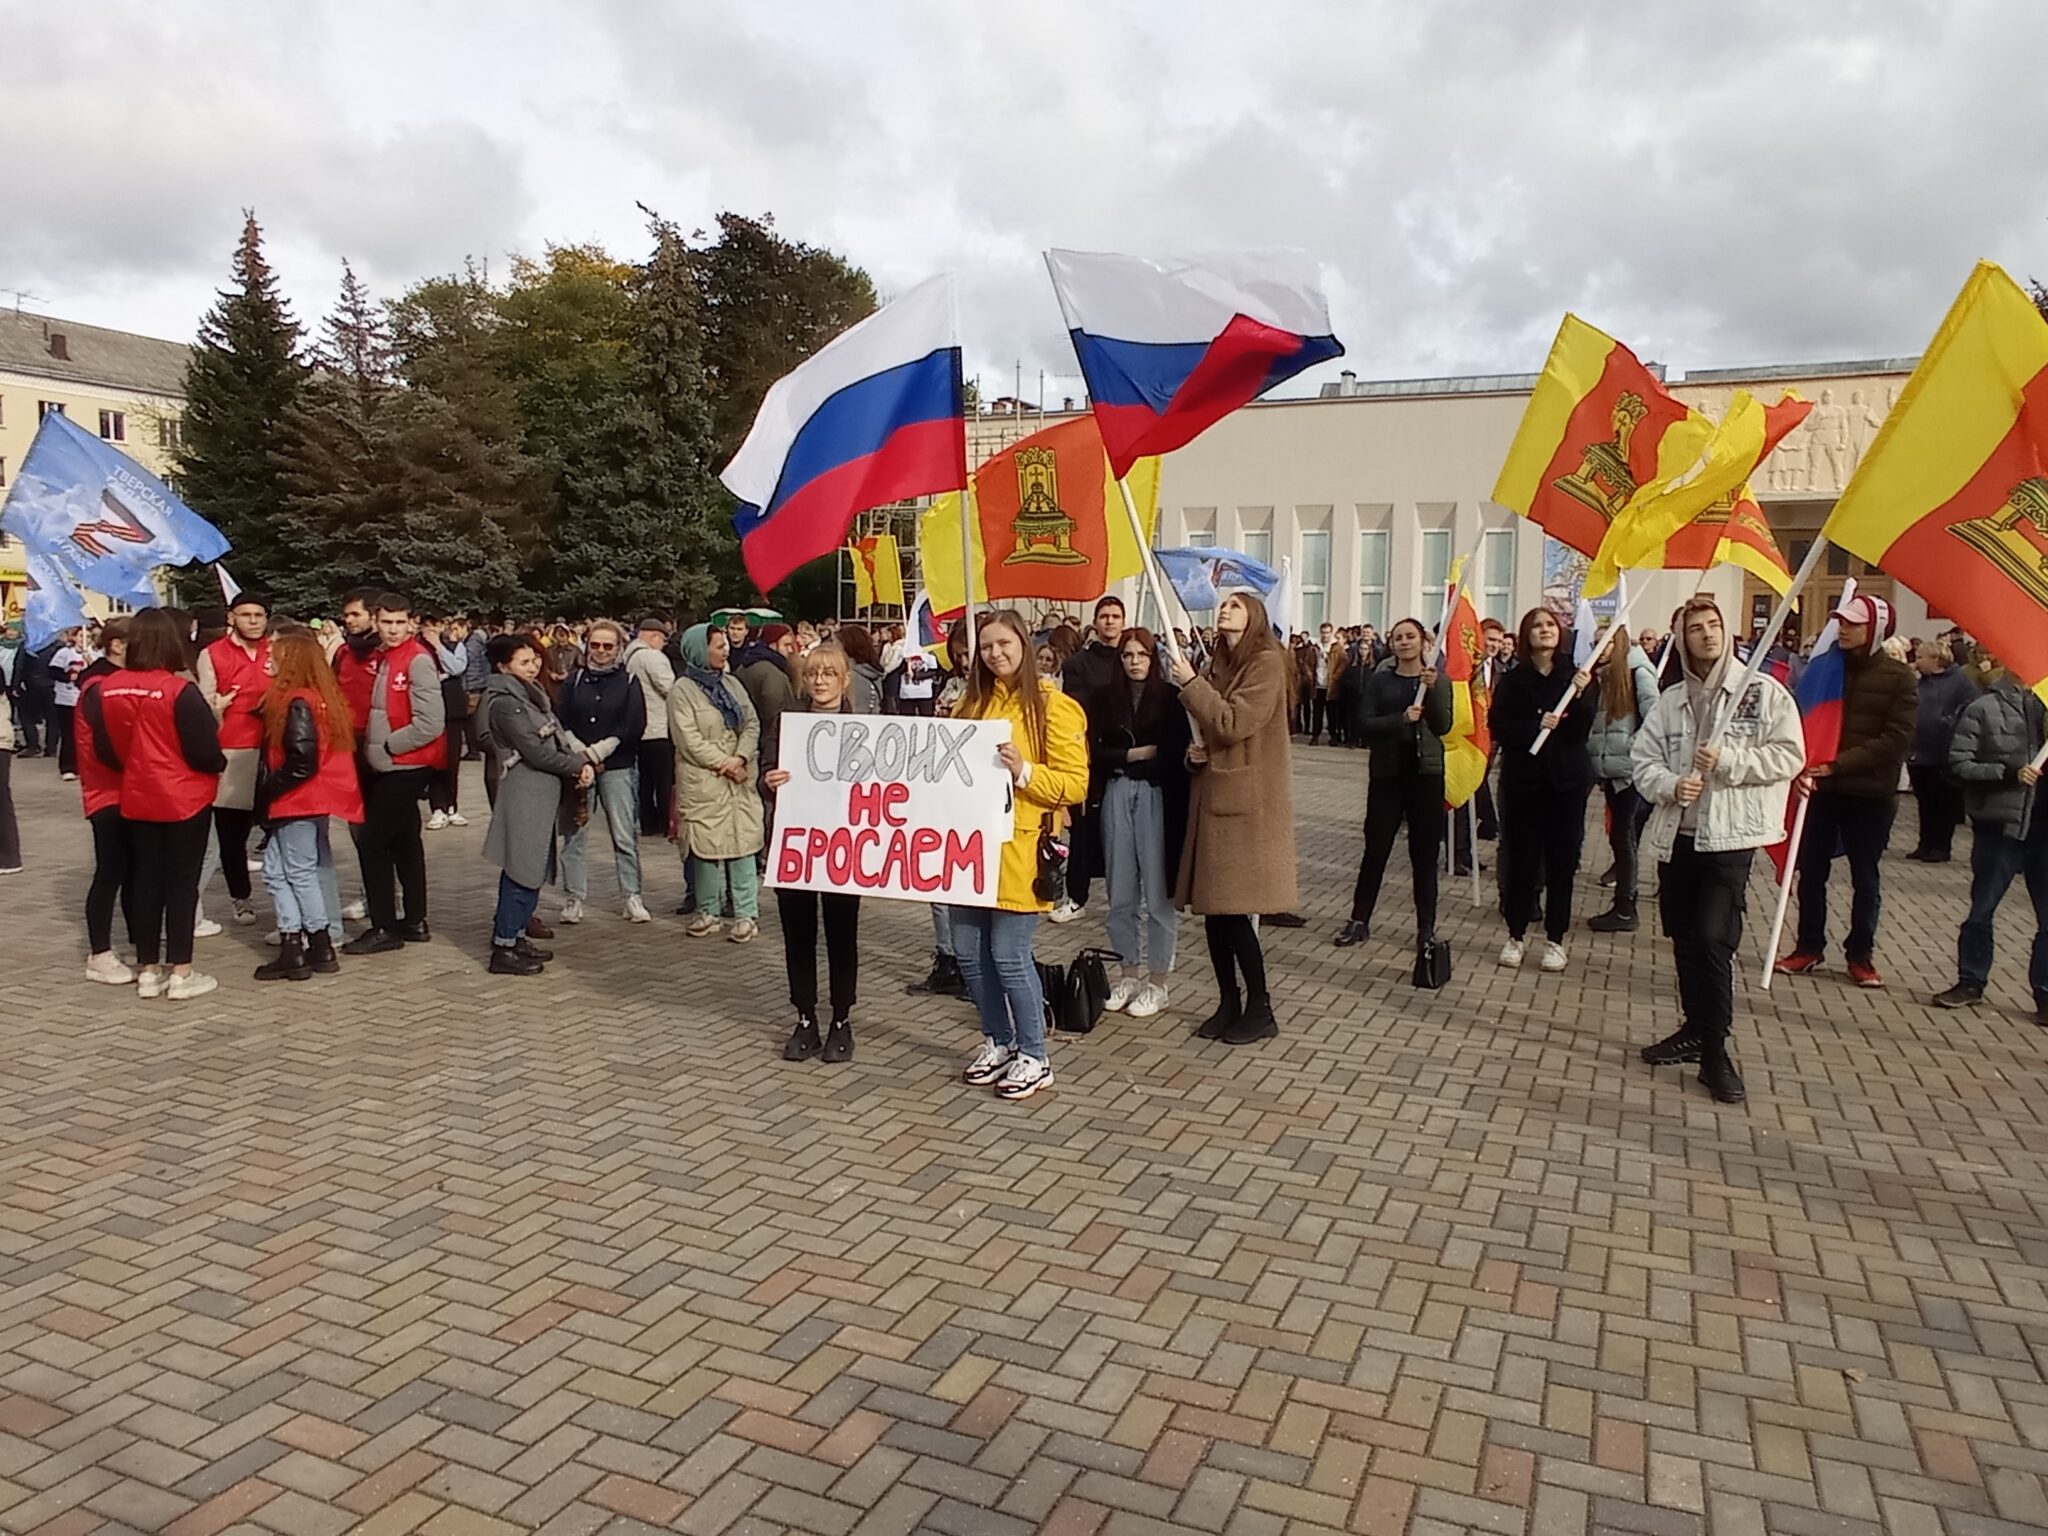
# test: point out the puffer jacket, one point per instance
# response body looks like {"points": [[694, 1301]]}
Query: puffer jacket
{"points": [[1879, 703], [1997, 736], [1612, 742], [1941, 700], [1399, 746], [1762, 752]]}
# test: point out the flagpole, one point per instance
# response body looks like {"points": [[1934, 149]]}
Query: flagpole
{"points": [[1456, 590], [1151, 568], [966, 489], [1472, 823], [1785, 887], [1606, 639], [1768, 638]]}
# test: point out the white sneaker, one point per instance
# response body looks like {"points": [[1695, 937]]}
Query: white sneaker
{"points": [[1065, 912], [702, 926], [1553, 957], [206, 928], [245, 913], [182, 988], [1026, 1075], [355, 911], [1511, 953], [744, 930], [109, 969], [274, 938], [636, 911], [457, 819], [68, 778], [988, 1063], [149, 982], [572, 910], [437, 821], [1150, 999], [1120, 995], [255, 864]]}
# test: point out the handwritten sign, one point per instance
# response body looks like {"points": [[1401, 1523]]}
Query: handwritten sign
{"points": [[885, 805]]}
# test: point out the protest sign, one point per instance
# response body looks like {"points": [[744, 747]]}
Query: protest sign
{"points": [[883, 805]]}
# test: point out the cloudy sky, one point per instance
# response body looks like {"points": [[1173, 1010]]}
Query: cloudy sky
{"points": [[1717, 184]]}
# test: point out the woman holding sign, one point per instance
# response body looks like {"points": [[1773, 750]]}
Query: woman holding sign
{"points": [[1543, 795], [718, 810], [826, 676], [1047, 760], [1238, 860]]}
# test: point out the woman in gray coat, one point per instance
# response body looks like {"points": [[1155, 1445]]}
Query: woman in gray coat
{"points": [[515, 722]]}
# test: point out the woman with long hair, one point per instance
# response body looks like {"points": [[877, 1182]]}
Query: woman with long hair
{"points": [[719, 822], [309, 775], [1336, 662], [826, 676], [1626, 685], [1138, 750], [1543, 796], [1404, 715], [1238, 857], [1046, 758], [99, 785]]}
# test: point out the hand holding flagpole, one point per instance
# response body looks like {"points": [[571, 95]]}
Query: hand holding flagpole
{"points": [[1768, 638], [1599, 650]]}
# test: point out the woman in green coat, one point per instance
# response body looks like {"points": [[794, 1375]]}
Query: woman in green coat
{"points": [[719, 820]]}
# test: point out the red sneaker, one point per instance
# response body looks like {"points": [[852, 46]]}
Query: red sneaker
{"points": [[1864, 974], [1797, 964]]}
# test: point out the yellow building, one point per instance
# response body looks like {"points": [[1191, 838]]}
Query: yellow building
{"points": [[128, 388]]}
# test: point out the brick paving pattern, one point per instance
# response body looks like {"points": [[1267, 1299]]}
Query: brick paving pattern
{"points": [[416, 1249]]}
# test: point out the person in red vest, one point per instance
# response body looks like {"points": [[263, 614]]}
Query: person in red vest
{"points": [[152, 724], [355, 668], [309, 775], [233, 672], [403, 748], [99, 786]]}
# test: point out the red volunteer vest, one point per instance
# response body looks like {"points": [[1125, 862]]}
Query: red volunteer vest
{"points": [[99, 782], [358, 678], [235, 670], [157, 784], [398, 707], [333, 791]]}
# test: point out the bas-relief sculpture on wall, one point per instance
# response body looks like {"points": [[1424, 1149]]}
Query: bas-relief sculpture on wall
{"points": [[1821, 453]]}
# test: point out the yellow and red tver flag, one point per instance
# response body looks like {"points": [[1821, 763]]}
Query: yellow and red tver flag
{"points": [[1470, 742], [1600, 429], [1734, 530], [877, 571], [1952, 498]]}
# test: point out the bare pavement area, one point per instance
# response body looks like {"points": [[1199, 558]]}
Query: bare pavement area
{"points": [[419, 1249]]}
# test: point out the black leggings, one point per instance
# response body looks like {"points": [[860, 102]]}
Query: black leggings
{"points": [[63, 722], [1543, 831], [799, 913], [232, 828], [1419, 800], [112, 856], [167, 859], [1233, 949]]}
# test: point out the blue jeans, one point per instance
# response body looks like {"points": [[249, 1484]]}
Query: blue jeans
{"points": [[616, 795], [516, 906], [1995, 858], [298, 871], [994, 950], [715, 879], [1134, 855]]}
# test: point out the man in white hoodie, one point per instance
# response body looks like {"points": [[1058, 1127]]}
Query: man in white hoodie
{"points": [[1712, 807]]}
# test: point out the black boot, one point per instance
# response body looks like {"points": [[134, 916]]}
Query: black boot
{"points": [[1616, 919], [934, 983], [320, 953], [1719, 1077], [1681, 1046], [1353, 932], [951, 982], [803, 1040], [373, 941], [526, 948], [507, 961], [838, 1042], [290, 964], [1227, 1013], [1256, 1024]]}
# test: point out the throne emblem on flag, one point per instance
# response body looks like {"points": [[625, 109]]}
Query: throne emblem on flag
{"points": [[1044, 532], [2014, 538], [1603, 480]]}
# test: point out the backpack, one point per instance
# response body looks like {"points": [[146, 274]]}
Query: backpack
{"points": [[1075, 995]]}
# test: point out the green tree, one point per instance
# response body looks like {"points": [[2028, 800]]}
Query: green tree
{"points": [[244, 378]]}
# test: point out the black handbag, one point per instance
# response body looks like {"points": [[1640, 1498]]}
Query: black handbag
{"points": [[1077, 995], [1432, 962]]}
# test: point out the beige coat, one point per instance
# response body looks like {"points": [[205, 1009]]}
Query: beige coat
{"points": [[1239, 853], [715, 818]]}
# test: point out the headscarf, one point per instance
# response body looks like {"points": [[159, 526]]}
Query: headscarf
{"points": [[696, 648]]}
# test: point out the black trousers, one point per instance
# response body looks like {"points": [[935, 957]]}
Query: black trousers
{"points": [[1317, 704], [1542, 835], [799, 911], [33, 708], [231, 827], [167, 859], [444, 785], [1234, 951], [10, 829], [1700, 899], [657, 785], [1084, 853], [113, 880], [1626, 813], [1941, 807], [63, 720], [1419, 801], [392, 847], [1859, 826]]}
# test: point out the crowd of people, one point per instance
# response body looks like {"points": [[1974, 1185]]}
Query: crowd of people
{"points": [[1158, 766]]}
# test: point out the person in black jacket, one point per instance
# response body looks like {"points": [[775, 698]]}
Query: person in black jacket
{"points": [[1138, 794], [1090, 674], [1543, 795], [601, 702], [1404, 714]]}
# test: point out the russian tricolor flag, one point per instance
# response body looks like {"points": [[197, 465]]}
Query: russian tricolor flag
{"points": [[1820, 691], [1171, 346], [874, 417]]}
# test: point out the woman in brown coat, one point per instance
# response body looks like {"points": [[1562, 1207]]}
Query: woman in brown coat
{"points": [[1238, 859]]}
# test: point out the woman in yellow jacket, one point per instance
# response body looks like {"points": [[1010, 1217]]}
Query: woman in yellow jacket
{"points": [[1047, 759]]}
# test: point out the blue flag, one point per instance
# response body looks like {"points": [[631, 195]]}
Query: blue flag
{"points": [[101, 518], [1197, 572], [54, 604]]}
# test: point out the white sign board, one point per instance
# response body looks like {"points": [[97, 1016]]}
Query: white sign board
{"points": [[892, 805]]}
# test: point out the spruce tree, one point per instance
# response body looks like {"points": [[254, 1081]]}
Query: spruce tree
{"points": [[244, 379]]}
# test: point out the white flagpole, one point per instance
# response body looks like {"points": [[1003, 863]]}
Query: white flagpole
{"points": [[1785, 889], [966, 495], [1472, 823], [1151, 568], [1606, 639]]}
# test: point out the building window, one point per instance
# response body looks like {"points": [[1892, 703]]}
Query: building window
{"points": [[1201, 538], [114, 426], [1497, 575], [1314, 606], [1436, 574], [1372, 579], [3, 471], [1258, 543], [49, 407], [170, 433]]}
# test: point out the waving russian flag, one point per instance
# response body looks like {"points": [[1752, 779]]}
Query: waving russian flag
{"points": [[1820, 691], [874, 417], [1170, 347]]}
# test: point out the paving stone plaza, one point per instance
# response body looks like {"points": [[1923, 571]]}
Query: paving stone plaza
{"points": [[419, 1249]]}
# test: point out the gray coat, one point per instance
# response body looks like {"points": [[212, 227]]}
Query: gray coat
{"points": [[1997, 736], [1613, 741], [513, 719]]}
